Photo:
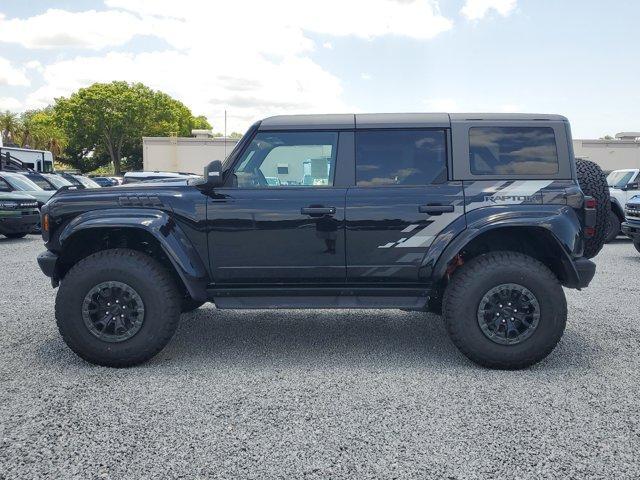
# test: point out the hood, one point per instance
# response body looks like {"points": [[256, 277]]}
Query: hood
{"points": [[16, 196], [41, 195]]}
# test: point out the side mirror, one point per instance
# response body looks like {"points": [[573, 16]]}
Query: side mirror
{"points": [[633, 186], [213, 174]]}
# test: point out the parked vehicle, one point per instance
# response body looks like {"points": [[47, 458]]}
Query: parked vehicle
{"points": [[46, 181], [479, 217], [105, 181], [135, 177], [631, 226], [623, 185], [16, 182], [78, 180], [38, 160], [19, 214]]}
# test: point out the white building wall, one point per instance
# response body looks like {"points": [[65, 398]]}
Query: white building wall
{"points": [[609, 154], [183, 154]]}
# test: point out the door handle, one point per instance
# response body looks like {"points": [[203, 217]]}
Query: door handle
{"points": [[435, 209], [318, 211]]}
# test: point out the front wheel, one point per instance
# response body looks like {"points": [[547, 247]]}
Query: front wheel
{"points": [[117, 308], [505, 310]]}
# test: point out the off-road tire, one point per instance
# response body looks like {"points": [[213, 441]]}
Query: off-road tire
{"points": [[148, 278], [474, 279], [636, 243], [593, 182], [613, 227], [15, 235], [188, 304]]}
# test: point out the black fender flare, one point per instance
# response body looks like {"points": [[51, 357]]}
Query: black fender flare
{"points": [[559, 223], [175, 244], [617, 208]]}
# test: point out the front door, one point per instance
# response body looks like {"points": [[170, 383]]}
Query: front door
{"points": [[401, 202], [282, 220]]}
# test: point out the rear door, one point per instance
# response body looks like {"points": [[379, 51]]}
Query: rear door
{"points": [[402, 200]]}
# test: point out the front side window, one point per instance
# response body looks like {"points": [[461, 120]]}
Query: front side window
{"points": [[400, 157], [513, 151], [289, 159]]}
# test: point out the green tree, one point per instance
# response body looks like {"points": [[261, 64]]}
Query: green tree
{"points": [[105, 123], [41, 130], [10, 127]]}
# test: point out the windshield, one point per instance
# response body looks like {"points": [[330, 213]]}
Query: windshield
{"points": [[87, 182], [41, 182], [57, 181], [20, 182], [619, 179]]}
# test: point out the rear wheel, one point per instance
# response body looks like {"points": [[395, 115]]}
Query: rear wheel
{"points": [[593, 182], [505, 310], [613, 227], [15, 235], [117, 308]]}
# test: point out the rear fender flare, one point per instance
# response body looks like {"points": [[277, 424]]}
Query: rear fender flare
{"points": [[173, 241], [559, 223]]}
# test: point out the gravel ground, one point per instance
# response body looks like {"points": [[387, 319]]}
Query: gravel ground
{"points": [[320, 394]]}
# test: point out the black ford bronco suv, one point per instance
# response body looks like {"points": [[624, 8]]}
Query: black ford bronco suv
{"points": [[480, 217]]}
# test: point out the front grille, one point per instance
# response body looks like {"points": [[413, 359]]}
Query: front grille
{"points": [[632, 210]]}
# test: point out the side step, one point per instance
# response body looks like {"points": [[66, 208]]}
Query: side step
{"points": [[319, 297]]}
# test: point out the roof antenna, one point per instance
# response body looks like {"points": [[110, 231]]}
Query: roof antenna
{"points": [[225, 134]]}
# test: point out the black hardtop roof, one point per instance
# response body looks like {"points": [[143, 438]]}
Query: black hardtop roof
{"points": [[392, 120]]}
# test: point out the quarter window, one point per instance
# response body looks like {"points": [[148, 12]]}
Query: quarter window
{"points": [[513, 151], [400, 157], [289, 159]]}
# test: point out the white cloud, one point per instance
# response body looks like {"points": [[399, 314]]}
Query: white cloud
{"points": [[252, 65], [34, 65], [328, 45], [10, 75], [10, 103], [62, 29], [477, 9], [249, 88], [365, 76]]}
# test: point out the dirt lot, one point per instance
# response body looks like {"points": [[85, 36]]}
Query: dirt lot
{"points": [[320, 394]]}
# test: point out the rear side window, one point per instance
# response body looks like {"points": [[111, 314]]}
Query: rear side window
{"points": [[400, 157], [513, 151]]}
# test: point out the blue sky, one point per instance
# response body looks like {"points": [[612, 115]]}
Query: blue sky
{"points": [[576, 58]]}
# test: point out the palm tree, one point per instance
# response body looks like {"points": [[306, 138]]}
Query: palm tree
{"points": [[10, 126]]}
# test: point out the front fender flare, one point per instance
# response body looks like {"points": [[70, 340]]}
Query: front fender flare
{"points": [[173, 241]]}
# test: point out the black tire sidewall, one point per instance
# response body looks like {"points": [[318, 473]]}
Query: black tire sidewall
{"points": [[613, 227], [464, 321], [156, 329]]}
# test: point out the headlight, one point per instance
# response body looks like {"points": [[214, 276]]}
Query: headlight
{"points": [[9, 205]]}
